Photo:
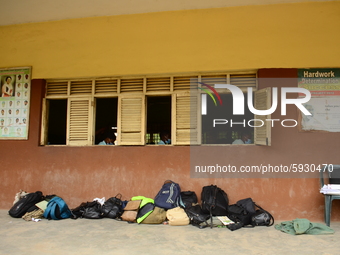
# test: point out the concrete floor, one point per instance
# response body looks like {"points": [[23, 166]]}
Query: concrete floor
{"points": [[106, 236]]}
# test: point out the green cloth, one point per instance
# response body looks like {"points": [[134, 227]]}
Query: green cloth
{"points": [[303, 226]]}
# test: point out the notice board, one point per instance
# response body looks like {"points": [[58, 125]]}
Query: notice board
{"points": [[15, 86]]}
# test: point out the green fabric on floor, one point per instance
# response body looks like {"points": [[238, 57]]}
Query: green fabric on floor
{"points": [[303, 226]]}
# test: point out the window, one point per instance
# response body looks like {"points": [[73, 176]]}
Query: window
{"points": [[105, 118], [138, 108], [228, 127], [57, 116], [158, 117]]}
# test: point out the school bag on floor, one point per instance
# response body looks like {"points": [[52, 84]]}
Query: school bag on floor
{"points": [[131, 211], [215, 201], [157, 216], [177, 217], [245, 213], [169, 195], [146, 207], [240, 215], [189, 198], [113, 207], [57, 209], [197, 216], [262, 218], [25, 203]]}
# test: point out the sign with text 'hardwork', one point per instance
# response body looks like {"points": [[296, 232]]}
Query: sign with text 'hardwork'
{"points": [[320, 82]]}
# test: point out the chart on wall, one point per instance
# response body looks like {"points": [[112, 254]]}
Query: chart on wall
{"points": [[324, 106], [15, 86], [325, 115]]}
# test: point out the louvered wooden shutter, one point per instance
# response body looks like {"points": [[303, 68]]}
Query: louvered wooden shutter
{"points": [[132, 120], [105, 86], [262, 135], [78, 121], [243, 80], [81, 87], [56, 88], [185, 82], [214, 79], [44, 125], [158, 84], [186, 118], [131, 85]]}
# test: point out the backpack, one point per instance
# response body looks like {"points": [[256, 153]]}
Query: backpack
{"points": [[157, 216], [214, 201], [113, 207], [245, 213], [131, 211], [57, 209], [197, 216], [177, 217], [239, 214], [146, 207], [88, 210], [262, 218], [25, 203], [169, 195], [189, 198]]}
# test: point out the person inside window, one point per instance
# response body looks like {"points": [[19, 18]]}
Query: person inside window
{"points": [[110, 139], [245, 139], [165, 138]]}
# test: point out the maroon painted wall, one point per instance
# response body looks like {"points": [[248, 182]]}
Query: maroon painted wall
{"points": [[80, 174]]}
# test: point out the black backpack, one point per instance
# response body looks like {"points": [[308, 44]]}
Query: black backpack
{"points": [[197, 216], [245, 213], [88, 210], [262, 218], [24, 204], [215, 201], [189, 198], [113, 207], [239, 214]]}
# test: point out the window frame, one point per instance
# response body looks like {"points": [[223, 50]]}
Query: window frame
{"points": [[178, 86]]}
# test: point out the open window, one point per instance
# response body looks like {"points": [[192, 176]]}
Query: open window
{"points": [[158, 112], [220, 126], [139, 108], [56, 121], [106, 117]]}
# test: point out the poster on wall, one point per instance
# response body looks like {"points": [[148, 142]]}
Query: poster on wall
{"points": [[325, 115], [320, 82], [15, 84], [324, 86]]}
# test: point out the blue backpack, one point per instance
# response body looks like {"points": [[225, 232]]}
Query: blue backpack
{"points": [[169, 196], [57, 209]]}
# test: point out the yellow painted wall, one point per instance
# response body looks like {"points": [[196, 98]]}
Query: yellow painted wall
{"points": [[274, 36]]}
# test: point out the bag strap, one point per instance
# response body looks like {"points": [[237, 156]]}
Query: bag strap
{"points": [[53, 208], [258, 206], [47, 212], [119, 196], [213, 205], [271, 216], [201, 226]]}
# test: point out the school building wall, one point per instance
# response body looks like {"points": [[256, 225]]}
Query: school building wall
{"points": [[276, 39]]}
